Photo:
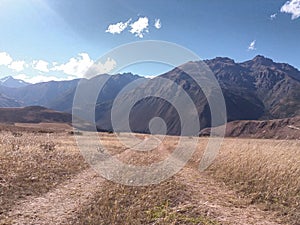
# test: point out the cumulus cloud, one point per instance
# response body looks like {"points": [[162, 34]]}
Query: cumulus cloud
{"points": [[251, 46], [40, 65], [83, 65], [292, 7], [118, 27], [140, 27], [76, 66], [273, 16], [17, 65], [21, 76], [137, 28], [157, 24], [101, 68], [5, 59]]}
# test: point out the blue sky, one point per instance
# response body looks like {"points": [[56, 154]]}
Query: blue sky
{"points": [[59, 39]]}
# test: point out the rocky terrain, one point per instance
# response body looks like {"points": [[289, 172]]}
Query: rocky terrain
{"points": [[288, 128]]}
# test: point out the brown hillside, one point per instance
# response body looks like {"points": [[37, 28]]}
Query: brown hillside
{"points": [[288, 128], [33, 114]]}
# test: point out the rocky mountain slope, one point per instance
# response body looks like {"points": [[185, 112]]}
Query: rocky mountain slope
{"points": [[253, 90], [8, 102], [288, 128]]}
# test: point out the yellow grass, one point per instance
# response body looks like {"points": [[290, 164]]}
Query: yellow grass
{"points": [[155, 204], [267, 171], [33, 163]]}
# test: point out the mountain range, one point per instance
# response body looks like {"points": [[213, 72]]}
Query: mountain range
{"points": [[258, 89], [11, 82]]}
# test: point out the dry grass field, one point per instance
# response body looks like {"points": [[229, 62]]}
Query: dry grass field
{"points": [[250, 182], [266, 171], [33, 161]]}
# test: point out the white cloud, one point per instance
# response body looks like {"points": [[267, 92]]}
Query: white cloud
{"points": [[77, 66], [251, 47], [118, 27], [40, 65], [150, 76], [157, 24], [101, 68], [5, 58], [40, 78], [17, 65], [292, 7], [21, 76], [273, 16], [83, 65], [139, 27]]}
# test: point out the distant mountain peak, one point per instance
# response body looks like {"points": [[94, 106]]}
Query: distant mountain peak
{"points": [[260, 59], [225, 60], [9, 81], [4, 79]]}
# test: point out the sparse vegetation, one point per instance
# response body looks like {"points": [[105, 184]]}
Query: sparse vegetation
{"points": [[48, 146], [156, 204], [266, 171], [33, 163], [75, 132], [169, 216]]}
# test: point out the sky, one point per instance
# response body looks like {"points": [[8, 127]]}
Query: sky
{"points": [[42, 40]]}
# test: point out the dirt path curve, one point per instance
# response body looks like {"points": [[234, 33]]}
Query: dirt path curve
{"points": [[62, 204], [221, 203], [59, 205]]}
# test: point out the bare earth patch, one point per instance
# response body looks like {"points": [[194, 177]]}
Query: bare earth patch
{"points": [[58, 206], [34, 163], [198, 197]]}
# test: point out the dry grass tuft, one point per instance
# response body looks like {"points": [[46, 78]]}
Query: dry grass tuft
{"points": [[267, 171], [166, 203], [33, 163]]}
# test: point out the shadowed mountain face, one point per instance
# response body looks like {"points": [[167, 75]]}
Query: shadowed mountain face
{"points": [[256, 89], [8, 102], [253, 90], [43, 94], [275, 85], [109, 91], [59, 95]]}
